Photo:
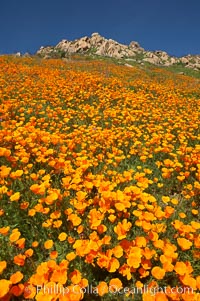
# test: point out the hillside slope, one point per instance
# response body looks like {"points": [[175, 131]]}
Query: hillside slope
{"points": [[100, 182]]}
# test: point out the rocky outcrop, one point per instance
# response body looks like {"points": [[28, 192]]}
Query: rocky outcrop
{"points": [[96, 44], [191, 61], [160, 58], [100, 46]]}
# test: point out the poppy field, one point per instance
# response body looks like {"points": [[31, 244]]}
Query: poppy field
{"points": [[99, 182]]}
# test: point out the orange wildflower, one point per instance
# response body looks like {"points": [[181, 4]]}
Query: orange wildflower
{"points": [[75, 277], [4, 230], [168, 266], [115, 284], [71, 256], [140, 241], [62, 236], [3, 265], [148, 297], [184, 243], [75, 219], [31, 212], [14, 236], [35, 244], [19, 259], [4, 171], [24, 205], [113, 265], [29, 252], [57, 224], [117, 251], [158, 272], [4, 287], [53, 254], [20, 243], [180, 268], [122, 228], [16, 174], [102, 288], [16, 277], [134, 257], [48, 244], [73, 292], [50, 199], [15, 197], [95, 218], [58, 275], [17, 290]]}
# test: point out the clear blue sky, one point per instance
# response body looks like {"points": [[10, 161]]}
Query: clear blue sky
{"points": [[169, 25]]}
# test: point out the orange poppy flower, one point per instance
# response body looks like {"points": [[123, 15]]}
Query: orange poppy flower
{"points": [[59, 276], [159, 244], [50, 199], [29, 291], [4, 287], [14, 236], [113, 265], [115, 284], [4, 152], [169, 211], [75, 219], [16, 174], [17, 290], [48, 244], [148, 297], [184, 243], [101, 229], [20, 243], [75, 277], [122, 228], [158, 272], [62, 236], [16, 277], [143, 272], [140, 241], [168, 266], [24, 205], [73, 292], [4, 171], [134, 258], [180, 268], [57, 224], [29, 252], [31, 212], [112, 218], [4, 230], [102, 288], [15, 197], [19, 259], [189, 281], [95, 218], [118, 251], [53, 254], [71, 256], [3, 265], [35, 244]]}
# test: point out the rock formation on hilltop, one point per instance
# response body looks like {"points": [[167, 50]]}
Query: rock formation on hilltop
{"points": [[95, 44], [100, 46]]}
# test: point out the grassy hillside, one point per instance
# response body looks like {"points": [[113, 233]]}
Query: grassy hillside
{"points": [[100, 181]]}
